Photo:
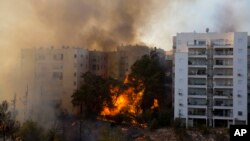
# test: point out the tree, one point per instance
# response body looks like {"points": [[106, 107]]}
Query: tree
{"points": [[8, 126], [150, 72], [31, 131], [92, 95]]}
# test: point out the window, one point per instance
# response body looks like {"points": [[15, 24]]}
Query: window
{"points": [[57, 75], [61, 56], [75, 56], [75, 83], [239, 113], [180, 92], [58, 56], [75, 74]]}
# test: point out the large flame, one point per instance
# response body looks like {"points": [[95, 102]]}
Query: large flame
{"points": [[127, 100]]}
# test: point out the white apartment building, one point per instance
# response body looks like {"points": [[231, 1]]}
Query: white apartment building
{"points": [[210, 78], [50, 76]]}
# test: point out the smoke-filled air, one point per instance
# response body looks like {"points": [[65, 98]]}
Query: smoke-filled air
{"points": [[104, 25]]}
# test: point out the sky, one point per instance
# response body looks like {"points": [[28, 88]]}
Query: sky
{"points": [[102, 24]]}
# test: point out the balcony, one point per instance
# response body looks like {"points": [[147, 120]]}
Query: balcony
{"points": [[223, 94], [197, 63], [197, 44], [223, 63], [197, 103], [197, 93], [223, 114], [222, 44], [197, 112], [223, 53], [223, 83], [223, 73], [197, 73], [223, 56], [197, 83], [223, 104], [197, 53]]}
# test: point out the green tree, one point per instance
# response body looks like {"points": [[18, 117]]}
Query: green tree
{"points": [[92, 95], [31, 131], [150, 72], [8, 126]]}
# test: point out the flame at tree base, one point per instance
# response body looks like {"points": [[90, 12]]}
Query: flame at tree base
{"points": [[126, 102]]}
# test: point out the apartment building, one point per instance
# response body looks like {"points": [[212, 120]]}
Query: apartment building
{"points": [[123, 58], [98, 63], [210, 78], [50, 76]]}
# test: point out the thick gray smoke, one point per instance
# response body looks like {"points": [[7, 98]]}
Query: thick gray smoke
{"points": [[226, 19], [95, 24]]}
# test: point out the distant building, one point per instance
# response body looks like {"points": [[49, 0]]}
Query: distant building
{"points": [[51, 75], [120, 61], [210, 83], [98, 63]]}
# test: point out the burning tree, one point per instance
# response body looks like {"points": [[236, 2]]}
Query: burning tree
{"points": [[138, 99], [91, 96], [140, 94], [125, 100]]}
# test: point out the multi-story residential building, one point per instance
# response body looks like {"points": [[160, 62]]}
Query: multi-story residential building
{"points": [[120, 61], [98, 63], [210, 83], [50, 76]]}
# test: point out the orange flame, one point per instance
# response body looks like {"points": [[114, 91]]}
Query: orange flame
{"points": [[155, 105], [126, 101]]}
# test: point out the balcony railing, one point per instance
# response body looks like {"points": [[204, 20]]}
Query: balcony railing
{"points": [[197, 113], [223, 53], [197, 93], [223, 104]]}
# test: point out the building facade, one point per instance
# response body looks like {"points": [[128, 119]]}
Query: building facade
{"points": [[50, 76], [210, 78]]}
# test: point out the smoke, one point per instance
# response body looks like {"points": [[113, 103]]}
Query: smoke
{"points": [[103, 25], [94, 24], [226, 19]]}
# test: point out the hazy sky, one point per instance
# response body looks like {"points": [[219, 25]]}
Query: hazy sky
{"points": [[23, 22], [95, 23]]}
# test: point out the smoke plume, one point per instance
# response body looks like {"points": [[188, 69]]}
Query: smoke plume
{"points": [[94, 24]]}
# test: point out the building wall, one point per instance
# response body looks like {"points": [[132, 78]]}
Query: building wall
{"points": [[98, 61], [188, 41], [240, 76], [52, 75], [181, 85]]}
